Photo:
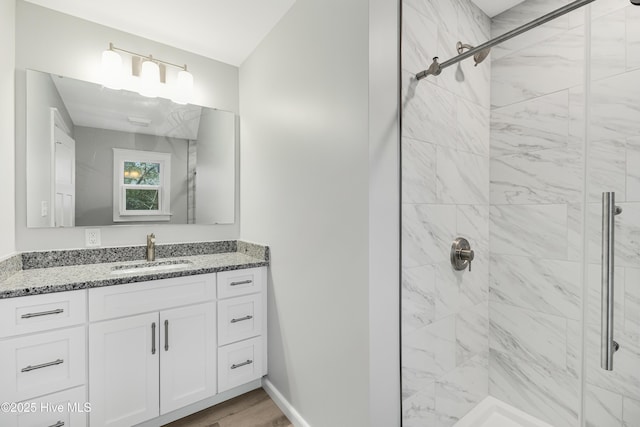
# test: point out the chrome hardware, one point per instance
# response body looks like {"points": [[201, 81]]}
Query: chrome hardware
{"points": [[243, 282], [241, 319], [44, 365], [461, 254], [153, 338], [151, 247], [607, 345], [166, 335], [239, 365], [42, 313], [483, 50], [478, 57], [58, 424]]}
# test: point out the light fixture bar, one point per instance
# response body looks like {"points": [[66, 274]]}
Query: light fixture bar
{"points": [[148, 57]]}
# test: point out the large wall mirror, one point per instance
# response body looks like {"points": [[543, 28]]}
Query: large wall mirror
{"points": [[98, 157]]}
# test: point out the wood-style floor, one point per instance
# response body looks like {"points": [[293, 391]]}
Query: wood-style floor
{"points": [[253, 409]]}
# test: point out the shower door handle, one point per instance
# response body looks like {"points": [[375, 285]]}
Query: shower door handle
{"points": [[608, 345]]}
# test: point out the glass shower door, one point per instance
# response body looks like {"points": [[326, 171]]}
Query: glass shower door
{"points": [[612, 397]]}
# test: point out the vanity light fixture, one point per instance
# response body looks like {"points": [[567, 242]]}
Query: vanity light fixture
{"points": [[150, 70]]}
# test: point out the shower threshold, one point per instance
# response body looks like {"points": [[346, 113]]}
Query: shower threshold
{"points": [[492, 412]]}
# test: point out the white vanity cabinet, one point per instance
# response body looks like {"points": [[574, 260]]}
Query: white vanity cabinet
{"points": [[145, 365], [162, 348], [43, 360], [242, 308]]}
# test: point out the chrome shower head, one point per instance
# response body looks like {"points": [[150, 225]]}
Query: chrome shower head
{"points": [[480, 56], [636, 2]]}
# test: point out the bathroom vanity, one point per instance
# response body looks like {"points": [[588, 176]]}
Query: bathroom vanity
{"points": [[128, 342]]}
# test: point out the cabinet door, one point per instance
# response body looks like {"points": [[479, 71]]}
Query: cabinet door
{"points": [[188, 355], [124, 370]]}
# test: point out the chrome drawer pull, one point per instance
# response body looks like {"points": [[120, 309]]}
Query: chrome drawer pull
{"points": [[239, 365], [153, 338], [44, 365], [241, 319], [166, 335], [42, 313], [58, 424], [242, 282]]}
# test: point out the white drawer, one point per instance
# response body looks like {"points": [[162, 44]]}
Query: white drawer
{"points": [[239, 318], [241, 282], [136, 298], [64, 409], [239, 363], [37, 313], [42, 363]]}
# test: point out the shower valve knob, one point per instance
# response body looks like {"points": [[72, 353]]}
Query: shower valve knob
{"points": [[461, 254]]}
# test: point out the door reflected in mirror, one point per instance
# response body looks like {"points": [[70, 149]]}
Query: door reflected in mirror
{"points": [[98, 157]]}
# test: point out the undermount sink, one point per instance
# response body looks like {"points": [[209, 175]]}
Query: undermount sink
{"points": [[150, 267]]}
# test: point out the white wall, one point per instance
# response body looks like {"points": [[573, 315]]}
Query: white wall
{"points": [[215, 167], [72, 47], [304, 156], [7, 65]]}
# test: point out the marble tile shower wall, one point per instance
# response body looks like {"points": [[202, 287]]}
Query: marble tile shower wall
{"points": [[445, 180], [536, 215]]}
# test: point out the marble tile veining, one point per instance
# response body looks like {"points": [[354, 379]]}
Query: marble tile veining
{"points": [[426, 233], [615, 107], [542, 285], [532, 125], [530, 336], [602, 407], [418, 171], [633, 37], [532, 230], [462, 178], [545, 176], [544, 391], [630, 412], [608, 47], [428, 354], [418, 298], [538, 70]]}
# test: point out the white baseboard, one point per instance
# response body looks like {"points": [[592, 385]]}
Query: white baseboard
{"points": [[283, 404]]}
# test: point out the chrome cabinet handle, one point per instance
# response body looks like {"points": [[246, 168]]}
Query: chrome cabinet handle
{"points": [[239, 365], [58, 424], [166, 335], [607, 345], [242, 282], [241, 319], [42, 313], [153, 338], [43, 365]]}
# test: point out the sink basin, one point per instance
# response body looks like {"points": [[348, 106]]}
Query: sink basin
{"points": [[150, 267]]}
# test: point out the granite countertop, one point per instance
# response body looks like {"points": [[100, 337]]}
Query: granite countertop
{"points": [[42, 276]]}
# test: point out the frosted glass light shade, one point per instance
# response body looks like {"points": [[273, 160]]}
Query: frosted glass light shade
{"points": [[184, 88], [111, 70], [149, 79]]}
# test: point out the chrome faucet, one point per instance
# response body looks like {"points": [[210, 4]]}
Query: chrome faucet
{"points": [[151, 247]]}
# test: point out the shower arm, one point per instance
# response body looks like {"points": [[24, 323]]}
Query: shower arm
{"points": [[436, 68]]}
